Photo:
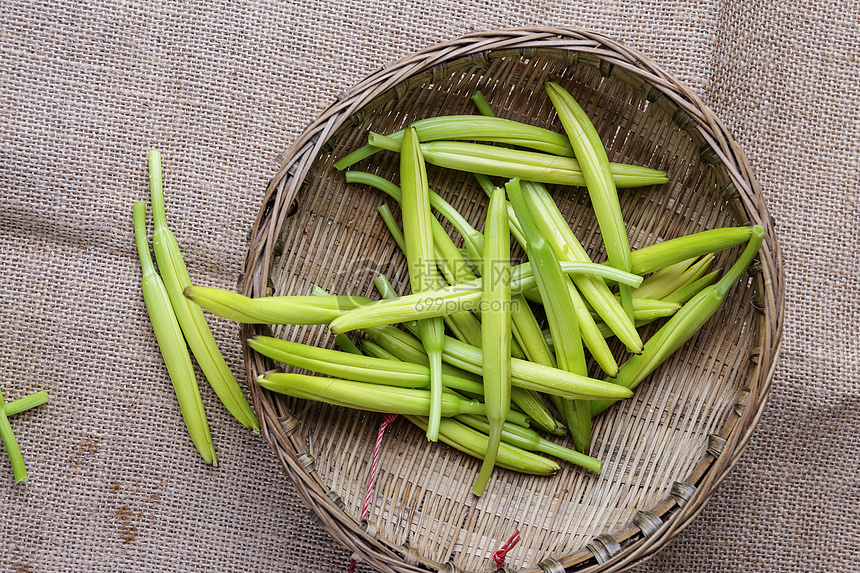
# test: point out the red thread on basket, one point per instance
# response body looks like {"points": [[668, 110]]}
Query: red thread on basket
{"points": [[502, 552], [371, 479]]}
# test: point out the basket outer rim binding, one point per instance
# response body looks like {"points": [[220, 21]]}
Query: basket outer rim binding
{"points": [[284, 434]]}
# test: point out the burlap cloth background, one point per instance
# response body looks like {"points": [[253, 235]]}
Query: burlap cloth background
{"points": [[222, 89]]}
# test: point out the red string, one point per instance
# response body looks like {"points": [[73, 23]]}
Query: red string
{"points": [[371, 479], [499, 556]]}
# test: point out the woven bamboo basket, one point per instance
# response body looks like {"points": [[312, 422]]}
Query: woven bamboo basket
{"points": [[665, 451]]}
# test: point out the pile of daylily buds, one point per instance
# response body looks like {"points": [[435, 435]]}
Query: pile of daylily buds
{"points": [[463, 355]]}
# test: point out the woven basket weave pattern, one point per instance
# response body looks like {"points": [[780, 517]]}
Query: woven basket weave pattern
{"points": [[664, 451]]}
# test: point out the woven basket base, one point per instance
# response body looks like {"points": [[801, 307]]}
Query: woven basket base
{"points": [[655, 446]]}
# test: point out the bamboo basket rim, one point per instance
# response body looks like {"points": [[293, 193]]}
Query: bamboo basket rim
{"points": [[650, 530]]}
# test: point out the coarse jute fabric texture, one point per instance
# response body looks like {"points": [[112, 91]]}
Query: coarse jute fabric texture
{"points": [[222, 88]]}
